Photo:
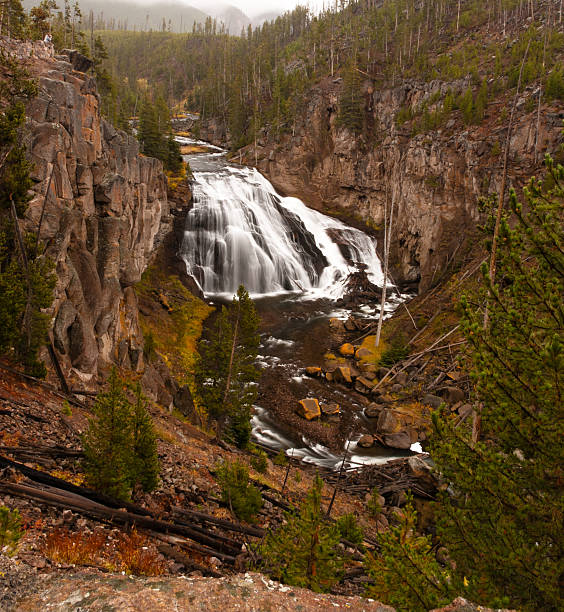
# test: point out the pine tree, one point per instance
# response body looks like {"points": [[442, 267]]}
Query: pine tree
{"points": [[108, 441], [304, 551], [226, 374], [243, 498], [405, 572], [502, 522], [144, 469], [120, 443], [352, 102]]}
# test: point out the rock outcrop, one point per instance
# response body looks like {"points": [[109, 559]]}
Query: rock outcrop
{"points": [[104, 207], [434, 178]]}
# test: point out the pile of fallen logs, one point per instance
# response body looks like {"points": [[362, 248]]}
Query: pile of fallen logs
{"points": [[181, 531], [358, 286], [390, 479]]}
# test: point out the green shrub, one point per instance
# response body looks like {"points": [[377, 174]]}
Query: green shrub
{"points": [[555, 85], [406, 574], [242, 498], [350, 529], [280, 459], [373, 506], [398, 350], [260, 462], [10, 529]]}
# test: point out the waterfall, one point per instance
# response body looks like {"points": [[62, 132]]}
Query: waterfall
{"points": [[240, 231]]}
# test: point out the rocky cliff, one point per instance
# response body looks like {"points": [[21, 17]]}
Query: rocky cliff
{"points": [[435, 178], [99, 206]]}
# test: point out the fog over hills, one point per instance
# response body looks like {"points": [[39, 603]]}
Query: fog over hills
{"points": [[177, 16], [173, 16]]}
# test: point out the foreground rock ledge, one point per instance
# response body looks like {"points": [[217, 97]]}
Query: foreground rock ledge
{"points": [[247, 593]]}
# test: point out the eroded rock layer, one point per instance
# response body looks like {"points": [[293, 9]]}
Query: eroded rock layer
{"points": [[103, 210]]}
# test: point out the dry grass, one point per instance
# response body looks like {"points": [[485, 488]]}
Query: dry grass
{"points": [[137, 557], [130, 553], [61, 546]]}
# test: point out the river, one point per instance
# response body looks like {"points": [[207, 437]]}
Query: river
{"points": [[294, 261]]}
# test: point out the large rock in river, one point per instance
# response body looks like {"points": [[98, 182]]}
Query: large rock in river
{"points": [[309, 409]]}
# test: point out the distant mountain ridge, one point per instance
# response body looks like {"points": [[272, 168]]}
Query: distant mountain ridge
{"points": [[174, 16], [171, 16]]}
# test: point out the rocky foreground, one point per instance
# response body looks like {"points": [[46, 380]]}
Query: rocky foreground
{"points": [[23, 591]]}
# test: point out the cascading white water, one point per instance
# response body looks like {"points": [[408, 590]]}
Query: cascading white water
{"points": [[240, 231]]}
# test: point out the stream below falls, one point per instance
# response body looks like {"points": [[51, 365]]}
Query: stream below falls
{"points": [[294, 262]]}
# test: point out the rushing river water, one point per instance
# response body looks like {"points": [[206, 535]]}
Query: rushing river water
{"points": [[294, 261]]}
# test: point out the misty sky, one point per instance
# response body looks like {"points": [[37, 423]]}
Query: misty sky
{"points": [[257, 7]]}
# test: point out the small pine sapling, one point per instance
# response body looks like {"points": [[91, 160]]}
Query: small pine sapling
{"points": [[10, 529], [243, 498], [406, 574], [304, 551]]}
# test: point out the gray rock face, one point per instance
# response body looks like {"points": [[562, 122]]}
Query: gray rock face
{"points": [[104, 208]]}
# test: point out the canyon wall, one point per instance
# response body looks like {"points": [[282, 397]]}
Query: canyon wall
{"points": [[99, 205], [435, 179]]}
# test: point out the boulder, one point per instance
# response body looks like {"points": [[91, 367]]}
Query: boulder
{"points": [[452, 395], [363, 353], [336, 325], [330, 409], [465, 410], [343, 375], [329, 376], [350, 325], [402, 378], [309, 409], [313, 371], [462, 605], [183, 401], [363, 385], [388, 421], [397, 388], [401, 440], [366, 441], [347, 350], [418, 468], [432, 400], [382, 372], [373, 410]]}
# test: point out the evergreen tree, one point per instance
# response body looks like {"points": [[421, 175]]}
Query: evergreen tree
{"points": [[120, 443], [405, 573], [226, 374], [303, 552], [502, 522], [13, 23], [10, 529], [144, 468], [352, 102], [243, 498], [108, 441]]}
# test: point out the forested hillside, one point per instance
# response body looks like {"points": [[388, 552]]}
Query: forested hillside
{"points": [[260, 79]]}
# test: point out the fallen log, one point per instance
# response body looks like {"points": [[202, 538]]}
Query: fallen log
{"points": [[223, 523], [59, 483], [98, 511], [49, 451], [177, 555]]}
